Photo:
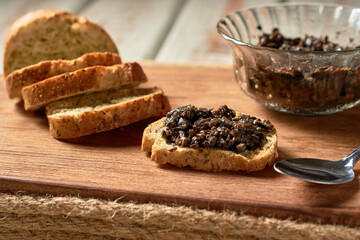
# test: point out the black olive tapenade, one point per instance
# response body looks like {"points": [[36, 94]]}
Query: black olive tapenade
{"points": [[303, 88], [193, 127], [309, 43]]}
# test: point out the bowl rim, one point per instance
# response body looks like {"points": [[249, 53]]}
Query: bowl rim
{"points": [[275, 50]]}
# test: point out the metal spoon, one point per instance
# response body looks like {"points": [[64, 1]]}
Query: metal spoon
{"points": [[320, 170]]}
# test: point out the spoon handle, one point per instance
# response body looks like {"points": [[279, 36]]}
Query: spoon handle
{"points": [[353, 157]]}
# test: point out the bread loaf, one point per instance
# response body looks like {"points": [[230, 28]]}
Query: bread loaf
{"points": [[70, 65], [45, 69], [96, 78], [206, 159], [101, 111], [52, 34]]}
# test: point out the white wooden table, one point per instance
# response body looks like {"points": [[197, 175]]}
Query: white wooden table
{"points": [[178, 31]]}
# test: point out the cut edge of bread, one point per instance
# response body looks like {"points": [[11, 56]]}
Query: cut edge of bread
{"points": [[102, 111], [84, 80], [26, 76], [206, 159], [49, 34]]}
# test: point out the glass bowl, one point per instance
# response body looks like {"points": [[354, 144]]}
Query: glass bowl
{"points": [[296, 82]]}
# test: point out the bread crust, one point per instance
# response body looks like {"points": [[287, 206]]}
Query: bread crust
{"points": [[33, 21], [206, 159], [45, 69], [63, 126], [81, 81]]}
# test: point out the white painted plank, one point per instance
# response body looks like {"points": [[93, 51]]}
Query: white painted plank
{"points": [[10, 11], [137, 27], [350, 3], [194, 37]]}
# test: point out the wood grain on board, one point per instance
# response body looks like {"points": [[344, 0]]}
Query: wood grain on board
{"points": [[110, 165]]}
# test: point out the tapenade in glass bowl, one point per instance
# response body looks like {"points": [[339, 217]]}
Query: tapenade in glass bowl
{"points": [[317, 74]]}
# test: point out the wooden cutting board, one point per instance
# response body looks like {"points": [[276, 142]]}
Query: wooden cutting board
{"points": [[110, 165]]}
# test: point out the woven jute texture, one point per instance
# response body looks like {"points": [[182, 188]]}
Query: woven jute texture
{"points": [[38, 217]]}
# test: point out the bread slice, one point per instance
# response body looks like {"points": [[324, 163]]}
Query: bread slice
{"points": [[206, 159], [52, 34], [45, 69], [101, 111], [82, 81]]}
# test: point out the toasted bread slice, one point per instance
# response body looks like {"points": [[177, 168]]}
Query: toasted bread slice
{"points": [[101, 111], [45, 69], [206, 159], [81, 81], [52, 34]]}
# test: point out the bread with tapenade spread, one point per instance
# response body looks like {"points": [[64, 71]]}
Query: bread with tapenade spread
{"points": [[26, 76], [210, 159], [85, 80], [48, 34], [101, 111]]}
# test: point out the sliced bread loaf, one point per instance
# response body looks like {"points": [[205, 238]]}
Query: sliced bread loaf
{"points": [[206, 159], [81, 81], [45, 69], [101, 111], [52, 34]]}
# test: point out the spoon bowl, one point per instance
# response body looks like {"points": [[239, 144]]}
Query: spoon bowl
{"points": [[320, 170]]}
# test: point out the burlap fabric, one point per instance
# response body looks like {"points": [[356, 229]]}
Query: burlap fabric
{"points": [[34, 217]]}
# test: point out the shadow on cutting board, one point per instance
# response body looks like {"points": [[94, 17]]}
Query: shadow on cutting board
{"points": [[126, 136], [267, 172], [35, 116], [321, 195], [343, 125]]}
